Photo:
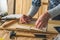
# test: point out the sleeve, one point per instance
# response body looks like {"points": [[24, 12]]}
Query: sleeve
{"points": [[34, 7], [55, 11]]}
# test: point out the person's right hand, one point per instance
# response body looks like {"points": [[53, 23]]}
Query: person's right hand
{"points": [[25, 19], [42, 20]]}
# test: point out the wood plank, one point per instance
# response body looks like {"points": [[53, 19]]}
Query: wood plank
{"points": [[26, 35], [28, 5], [8, 23], [26, 38], [24, 5], [32, 27], [44, 8], [51, 24], [40, 11], [10, 6], [46, 1], [18, 6], [54, 22]]}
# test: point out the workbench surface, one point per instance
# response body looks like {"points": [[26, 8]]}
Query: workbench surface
{"points": [[16, 25], [50, 28]]}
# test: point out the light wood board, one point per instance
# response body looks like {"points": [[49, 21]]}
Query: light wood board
{"points": [[50, 28]]}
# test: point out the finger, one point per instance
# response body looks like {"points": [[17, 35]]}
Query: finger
{"points": [[36, 22], [22, 20], [39, 20], [27, 19], [44, 24], [39, 25]]}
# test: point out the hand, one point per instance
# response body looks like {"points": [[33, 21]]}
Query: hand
{"points": [[42, 20], [25, 19]]}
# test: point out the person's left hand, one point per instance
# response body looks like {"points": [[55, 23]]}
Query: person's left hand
{"points": [[25, 19], [42, 20]]}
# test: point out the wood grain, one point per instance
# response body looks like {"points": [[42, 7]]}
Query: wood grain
{"points": [[8, 23]]}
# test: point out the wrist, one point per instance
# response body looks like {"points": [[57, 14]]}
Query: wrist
{"points": [[48, 15], [29, 16], [45, 16]]}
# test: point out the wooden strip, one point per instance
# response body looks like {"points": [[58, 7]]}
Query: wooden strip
{"points": [[18, 6], [24, 34], [29, 28], [8, 23], [10, 6], [54, 22], [27, 34], [25, 30], [24, 5]]}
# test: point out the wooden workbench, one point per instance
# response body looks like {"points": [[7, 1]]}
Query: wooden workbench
{"points": [[16, 25]]}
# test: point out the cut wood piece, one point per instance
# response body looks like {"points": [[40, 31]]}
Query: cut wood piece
{"points": [[29, 28], [27, 34], [24, 34], [25, 30], [54, 22], [6, 24], [27, 38]]}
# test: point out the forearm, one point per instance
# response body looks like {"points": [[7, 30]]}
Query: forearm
{"points": [[55, 11], [34, 7]]}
